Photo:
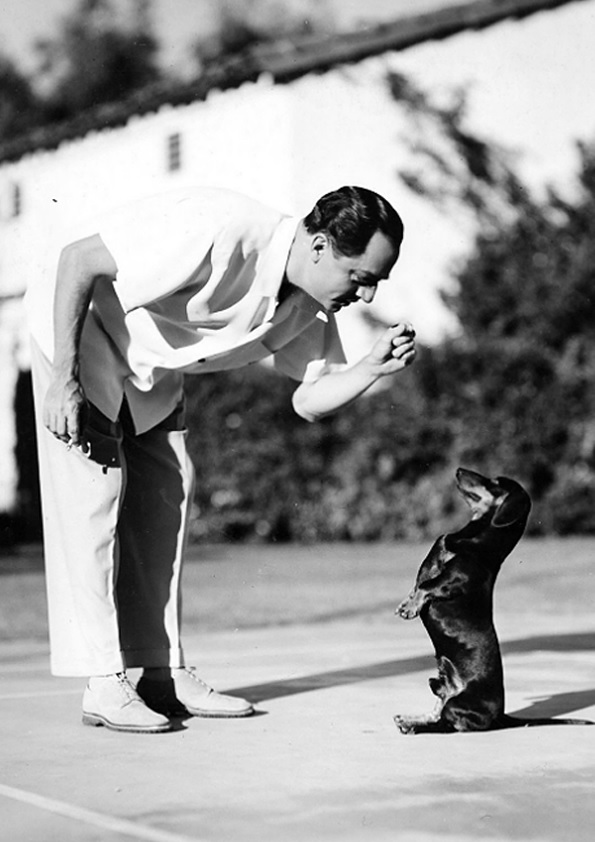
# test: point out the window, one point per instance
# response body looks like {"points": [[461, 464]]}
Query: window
{"points": [[174, 152], [17, 200]]}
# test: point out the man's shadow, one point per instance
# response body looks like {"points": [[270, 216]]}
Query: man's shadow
{"points": [[555, 705]]}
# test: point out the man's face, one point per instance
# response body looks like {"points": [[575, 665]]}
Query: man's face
{"points": [[337, 281]]}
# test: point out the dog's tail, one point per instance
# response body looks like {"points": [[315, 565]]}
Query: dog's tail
{"points": [[506, 721]]}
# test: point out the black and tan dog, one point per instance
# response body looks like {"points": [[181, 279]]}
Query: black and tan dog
{"points": [[453, 596]]}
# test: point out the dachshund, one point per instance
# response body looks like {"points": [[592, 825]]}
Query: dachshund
{"points": [[453, 596]]}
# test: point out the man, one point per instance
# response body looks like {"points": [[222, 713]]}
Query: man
{"points": [[194, 281]]}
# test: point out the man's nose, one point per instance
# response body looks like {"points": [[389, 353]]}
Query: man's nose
{"points": [[366, 294]]}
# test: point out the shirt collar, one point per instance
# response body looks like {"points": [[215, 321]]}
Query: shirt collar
{"points": [[274, 259]]}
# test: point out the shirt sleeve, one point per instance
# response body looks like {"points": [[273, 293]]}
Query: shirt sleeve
{"points": [[310, 354], [159, 245]]}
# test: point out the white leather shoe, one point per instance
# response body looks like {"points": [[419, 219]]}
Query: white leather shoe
{"points": [[184, 693], [111, 700]]}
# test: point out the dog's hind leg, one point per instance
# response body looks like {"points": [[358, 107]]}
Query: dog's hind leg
{"points": [[448, 682], [445, 685]]}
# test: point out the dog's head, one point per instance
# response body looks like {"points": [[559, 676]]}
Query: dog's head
{"points": [[500, 508]]}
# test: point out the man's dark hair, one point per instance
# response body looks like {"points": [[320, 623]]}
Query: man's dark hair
{"points": [[350, 216]]}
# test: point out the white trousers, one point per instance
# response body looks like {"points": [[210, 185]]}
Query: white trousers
{"points": [[115, 525]]}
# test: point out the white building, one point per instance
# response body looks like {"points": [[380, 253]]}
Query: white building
{"points": [[284, 129]]}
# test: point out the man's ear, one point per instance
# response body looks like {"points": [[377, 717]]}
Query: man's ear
{"points": [[318, 245]]}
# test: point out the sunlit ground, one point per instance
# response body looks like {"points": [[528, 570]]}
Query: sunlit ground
{"points": [[229, 587], [327, 664]]}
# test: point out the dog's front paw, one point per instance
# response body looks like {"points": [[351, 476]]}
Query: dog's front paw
{"points": [[407, 610], [405, 724]]}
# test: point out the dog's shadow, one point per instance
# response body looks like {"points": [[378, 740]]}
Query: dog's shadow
{"points": [[558, 704], [561, 703]]}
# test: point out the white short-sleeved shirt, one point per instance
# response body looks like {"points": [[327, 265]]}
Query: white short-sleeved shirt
{"points": [[198, 276]]}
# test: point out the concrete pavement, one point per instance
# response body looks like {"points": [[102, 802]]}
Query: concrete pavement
{"points": [[322, 759]]}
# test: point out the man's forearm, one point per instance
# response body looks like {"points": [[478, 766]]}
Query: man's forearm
{"points": [[74, 288], [81, 265], [333, 391], [392, 352]]}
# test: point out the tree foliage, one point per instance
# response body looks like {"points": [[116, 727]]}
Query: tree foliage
{"points": [[98, 57], [526, 356], [107, 50], [519, 379], [20, 108], [450, 164], [103, 51], [244, 24]]}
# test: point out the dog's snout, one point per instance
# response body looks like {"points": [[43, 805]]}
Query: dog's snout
{"points": [[466, 479]]}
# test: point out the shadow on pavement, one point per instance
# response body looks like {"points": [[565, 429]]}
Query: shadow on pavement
{"points": [[558, 704], [333, 678], [574, 642], [570, 642]]}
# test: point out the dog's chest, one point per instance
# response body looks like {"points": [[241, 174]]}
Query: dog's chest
{"points": [[461, 617]]}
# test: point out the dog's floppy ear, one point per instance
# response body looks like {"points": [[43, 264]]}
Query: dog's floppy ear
{"points": [[515, 507]]}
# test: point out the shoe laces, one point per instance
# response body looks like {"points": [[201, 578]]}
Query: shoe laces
{"points": [[126, 686], [191, 671]]}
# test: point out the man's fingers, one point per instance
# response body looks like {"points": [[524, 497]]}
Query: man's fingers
{"points": [[405, 353], [403, 329], [65, 429], [65, 412], [57, 425], [402, 342], [73, 429], [402, 346]]}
